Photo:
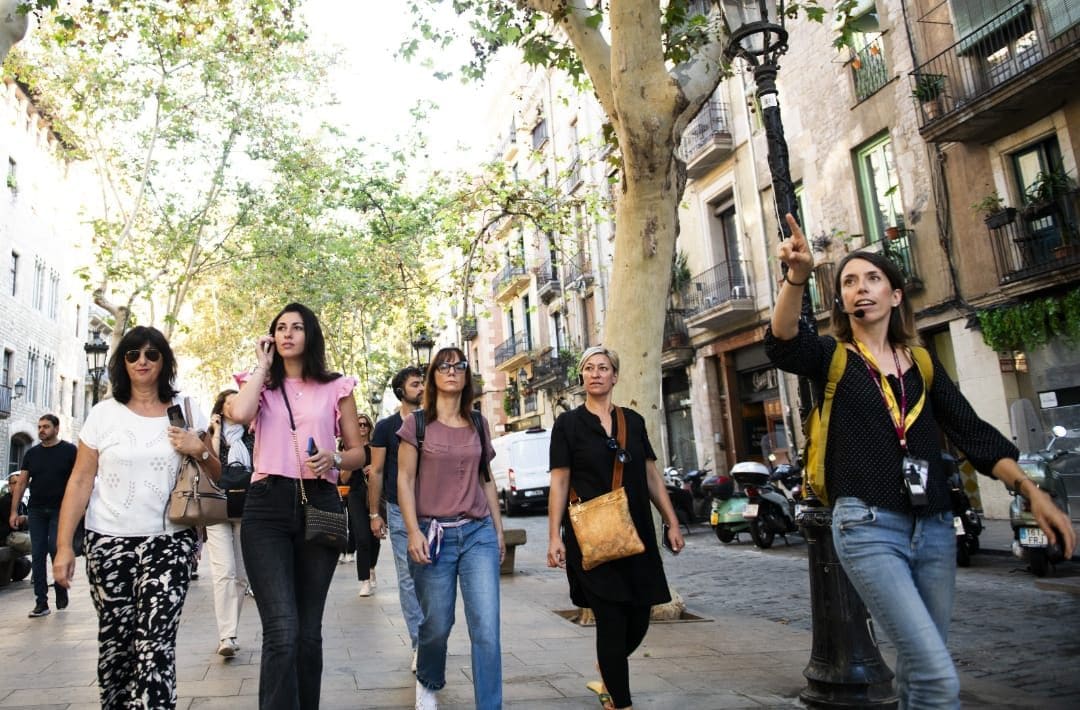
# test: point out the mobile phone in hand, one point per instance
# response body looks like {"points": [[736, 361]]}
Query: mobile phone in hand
{"points": [[664, 539], [311, 449], [176, 416]]}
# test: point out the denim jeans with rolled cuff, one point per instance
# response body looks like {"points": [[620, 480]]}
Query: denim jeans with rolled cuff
{"points": [[469, 554], [290, 579], [904, 569]]}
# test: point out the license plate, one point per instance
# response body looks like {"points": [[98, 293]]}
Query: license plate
{"points": [[751, 510], [714, 518], [532, 494], [1032, 537], [958, 524]]}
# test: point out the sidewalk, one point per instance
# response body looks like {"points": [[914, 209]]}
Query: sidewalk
{"points": [[735, 661]]}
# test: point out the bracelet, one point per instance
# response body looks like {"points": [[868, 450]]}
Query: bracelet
{"points": [[794, 283], [374, 516]]}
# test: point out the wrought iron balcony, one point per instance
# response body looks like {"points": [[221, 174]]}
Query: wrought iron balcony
{"points": [[509, 281], [821, 287], [549, 372], [547, 281], [898, 249], [868, 69], [1003, 75], [468, 328], [578, 274], [512, 351], [1040, 238], [720, 296], [676, 350], [706, 142], [5, 401]]}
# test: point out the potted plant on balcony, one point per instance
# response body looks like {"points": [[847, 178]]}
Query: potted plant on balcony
{"points": [[1043, 196], [995, 213], [928, 91]]}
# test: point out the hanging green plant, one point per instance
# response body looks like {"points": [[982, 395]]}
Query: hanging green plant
{"points": [[1032, 324]]}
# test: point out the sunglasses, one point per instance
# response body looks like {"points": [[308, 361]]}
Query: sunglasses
{"points": [[620, 453], [445, 367], [365, 425], [152, 355]]}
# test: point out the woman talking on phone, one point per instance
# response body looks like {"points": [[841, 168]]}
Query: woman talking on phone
{"points": [[293, 399], [584, 449], [892, 521]]}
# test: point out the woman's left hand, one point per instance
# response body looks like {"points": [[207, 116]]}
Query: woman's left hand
{"points": [[675, 538], [1052, 520], [502, 545], [321, 463], [186, 441]]}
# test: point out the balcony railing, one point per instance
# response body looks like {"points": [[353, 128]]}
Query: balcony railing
{"points": [[821, 287], [549, 372], [707, 139], [547, 280], [508, 275], [676, 334], [5, 401], [1038, 239], [898, 249], [577, 274], [868, 69], [724, 282], [517, 344], [468, 328], [1003, 75]]}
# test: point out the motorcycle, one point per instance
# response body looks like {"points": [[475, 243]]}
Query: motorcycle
{"points": [[966, 520], [692, 482], [1048, 469], [726, 516], [681, 498], [772, 496]]}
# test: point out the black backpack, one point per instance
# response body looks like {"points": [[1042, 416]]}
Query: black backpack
{"points": [[478, 424]]}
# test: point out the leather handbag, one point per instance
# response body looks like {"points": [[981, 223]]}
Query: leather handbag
{"points": [[602, 525], [195, 499], [329, 528]]}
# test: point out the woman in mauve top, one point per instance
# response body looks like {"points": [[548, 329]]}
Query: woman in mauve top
{"points": [[455, 531], [290, 576]]}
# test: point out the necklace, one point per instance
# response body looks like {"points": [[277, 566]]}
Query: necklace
{"points": [[298, 391]]}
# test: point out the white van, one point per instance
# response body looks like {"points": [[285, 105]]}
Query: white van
{"points": [[521, 471]]}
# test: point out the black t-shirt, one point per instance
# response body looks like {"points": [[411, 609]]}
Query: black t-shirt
{"points": [[50, 468], [385, 437], [578, 442]]}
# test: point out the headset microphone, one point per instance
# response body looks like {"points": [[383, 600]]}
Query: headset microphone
{"points": [[858, 312]]}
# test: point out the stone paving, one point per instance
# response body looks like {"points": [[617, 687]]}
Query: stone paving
{"points": [[1014, 640]]}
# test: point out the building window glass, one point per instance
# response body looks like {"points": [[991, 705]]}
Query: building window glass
{"points": [[38, 298], [869, 71], [32, 376], [14, 272], [879, 187], [54, 294], [9, 358], [48, 373], [540, 134]]}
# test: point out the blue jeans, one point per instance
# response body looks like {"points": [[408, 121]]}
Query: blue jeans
{"points": [[290, 579], [399, 541], [42, 523], [469, 553], [904, 568]]}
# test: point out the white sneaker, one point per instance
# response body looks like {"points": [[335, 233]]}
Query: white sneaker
{"points": [[414, 661], [228, 648], [372, 578], [426, 698], [365, 588]]}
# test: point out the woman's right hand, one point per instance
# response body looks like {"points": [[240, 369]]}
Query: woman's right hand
{"points": [[418, 548], [556, 553], [795, 252], [264, 352], [64, 566]]}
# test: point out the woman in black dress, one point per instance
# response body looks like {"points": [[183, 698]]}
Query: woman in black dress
{"points": [[622, 592]]}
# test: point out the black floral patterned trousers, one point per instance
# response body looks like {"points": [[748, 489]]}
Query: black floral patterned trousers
{"points": [[138, 585]]}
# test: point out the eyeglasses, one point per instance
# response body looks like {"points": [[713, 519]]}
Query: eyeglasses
{"points": [[445, 367], [620, 453], [152, 355], [365, 425]]}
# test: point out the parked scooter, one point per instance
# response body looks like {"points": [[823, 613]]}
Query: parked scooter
{"points": [[681, 498], [966, 520], [772, 496], [728, 505], [1048, 469], [701, 502]]}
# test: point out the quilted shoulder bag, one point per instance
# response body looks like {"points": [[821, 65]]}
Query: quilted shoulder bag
{"points": [[602, 525], [195, 499], [328, 528]]}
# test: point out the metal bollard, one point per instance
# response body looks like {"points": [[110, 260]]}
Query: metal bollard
{"points": [[846, 669]]}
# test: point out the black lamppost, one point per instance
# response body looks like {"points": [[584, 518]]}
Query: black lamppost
{"points": [[376, 402], [422, 346], [96, 352], [845, 668]]}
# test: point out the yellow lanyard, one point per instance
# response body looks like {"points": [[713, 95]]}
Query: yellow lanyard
{"points": [[902, 421]]}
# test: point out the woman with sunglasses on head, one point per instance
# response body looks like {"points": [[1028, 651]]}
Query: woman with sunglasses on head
{"points": [[367, 545], [450, 510], [585, 446], [138, 564], [293, 398]]}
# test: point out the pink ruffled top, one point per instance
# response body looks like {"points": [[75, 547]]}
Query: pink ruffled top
{"points": [[316, 408]]}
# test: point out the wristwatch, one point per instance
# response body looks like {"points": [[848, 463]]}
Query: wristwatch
{"points": [[337, 460], [373, 516]]}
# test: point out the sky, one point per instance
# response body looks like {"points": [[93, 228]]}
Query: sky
{"points": [[376, 90]]}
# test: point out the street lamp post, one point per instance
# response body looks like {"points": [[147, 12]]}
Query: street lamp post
{"points": [[376, 402], [96, 352], [845, 668], [422, 346]]}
